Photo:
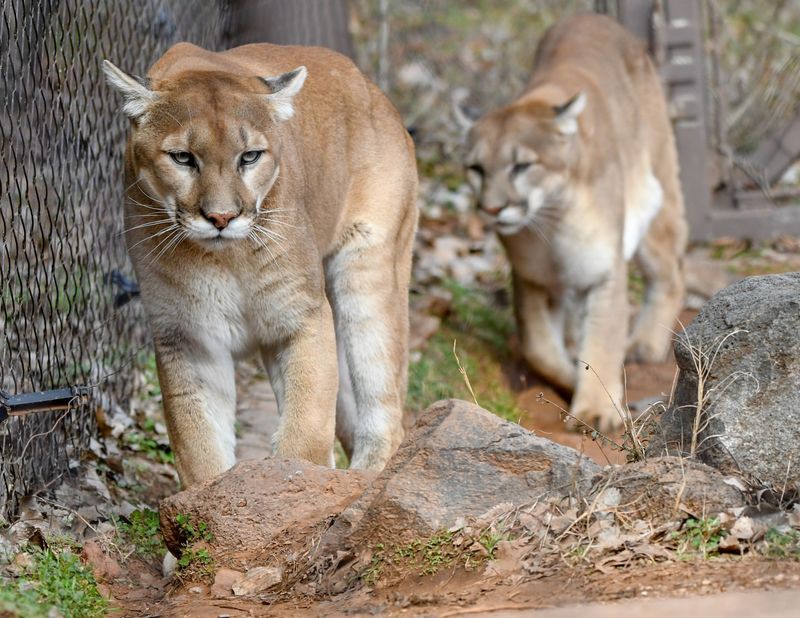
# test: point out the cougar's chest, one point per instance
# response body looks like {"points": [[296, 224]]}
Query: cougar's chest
{"points": [[242, 309], [578, 260]]}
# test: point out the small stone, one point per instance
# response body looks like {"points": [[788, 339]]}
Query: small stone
{"points": [[168, 565], [104, 567], [730, 543], [422, 328], [743, 529], [224, 580], [21, 564], [257, 580]]}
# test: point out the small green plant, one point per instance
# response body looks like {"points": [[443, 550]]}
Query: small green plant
{"points": [[372, 573], [194, 534], [57, 579], [191, 557], [140, 441], [143, 533], [490, 540], [779, 544], [429, 556], [700, 536], [438, 553]]}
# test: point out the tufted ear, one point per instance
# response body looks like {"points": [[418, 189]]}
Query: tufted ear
{"points": [[138, 97], [284, 88], [566, 119]]}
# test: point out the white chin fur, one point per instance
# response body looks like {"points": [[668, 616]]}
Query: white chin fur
{"points": [[510, 220], [209, 236]]}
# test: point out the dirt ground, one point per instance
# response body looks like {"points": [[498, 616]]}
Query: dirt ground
{"points": [[456, 593]]}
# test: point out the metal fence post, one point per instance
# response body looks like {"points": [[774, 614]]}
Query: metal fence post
{"points": [[672, 31]]}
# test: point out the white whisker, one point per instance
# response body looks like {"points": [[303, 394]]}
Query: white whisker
{"points": [[269, 233], [147, 224], [252, 234], [158, 246], [148, 206], [172, 228]]}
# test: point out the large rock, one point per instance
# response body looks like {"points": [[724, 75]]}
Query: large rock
{"points": [[262, 512], [460, 461], [741, 357]]}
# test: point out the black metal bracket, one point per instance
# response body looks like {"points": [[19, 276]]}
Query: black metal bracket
{"points": [[127, 288], [43, 401]]}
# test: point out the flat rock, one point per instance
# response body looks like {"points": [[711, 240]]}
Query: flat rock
{"points": [[258, 579], [262, 511], [742, 354], [459, 461]]}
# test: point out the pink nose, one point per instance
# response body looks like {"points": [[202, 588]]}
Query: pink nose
{"points": [[220, 219], [492, 210]]}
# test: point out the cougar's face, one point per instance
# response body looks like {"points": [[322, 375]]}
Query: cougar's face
{"points": [[205, 151], [208, 163], [519, 165]]}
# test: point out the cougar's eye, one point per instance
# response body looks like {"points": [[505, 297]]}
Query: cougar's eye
{"points": [[519, 168], [250, 157], [184, 158], [476, 168]]}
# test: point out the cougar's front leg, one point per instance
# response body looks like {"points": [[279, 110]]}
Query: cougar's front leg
{"points": [[598, 391], [541, 335], [304, 375], [199, 394]]}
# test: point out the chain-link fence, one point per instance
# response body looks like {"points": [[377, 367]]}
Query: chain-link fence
{"points": [[61, 251]]}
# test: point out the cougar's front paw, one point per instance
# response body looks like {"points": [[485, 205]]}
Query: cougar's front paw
{"points": [[604, 418]]}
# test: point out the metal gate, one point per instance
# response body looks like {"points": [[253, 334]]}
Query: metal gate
{"points": [[729, 170]]}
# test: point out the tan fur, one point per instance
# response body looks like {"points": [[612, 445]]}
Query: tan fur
{"points": [[592, 142], [334, 194]]}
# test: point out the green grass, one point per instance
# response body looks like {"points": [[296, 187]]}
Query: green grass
{"points": [[143, 533], [57, 580], [146, 361], [481, 331], [428, 556], [140, 441]]}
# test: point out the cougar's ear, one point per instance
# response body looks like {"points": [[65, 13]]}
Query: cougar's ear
{"points": [[138, 97], [284, 88], [566, 119], [464, 114]]}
